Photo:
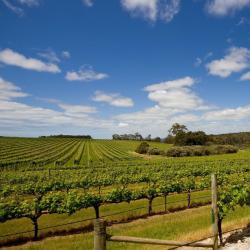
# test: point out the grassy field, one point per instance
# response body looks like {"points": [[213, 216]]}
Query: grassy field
{"points": [[188, 225]]}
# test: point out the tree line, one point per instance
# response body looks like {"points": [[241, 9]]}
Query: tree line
{"points": [[87, 137], [135, 137]]}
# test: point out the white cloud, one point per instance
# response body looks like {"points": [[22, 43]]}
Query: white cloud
{"points": [[15, 5], [175, 102], [10, 57], [185, 118], [157, 120], [169, 10], [122, 125], [228, 114], [17, 10], [113, 99], [243, 20], [153, 9], [16, 117], [30, 3], [175, 94], [22, 116], [23, 119], [226, 7], [9, 90], [236, 60], [172, 84], [88, 3], [182, 99], [85, 74], [65, 54], [198, 62], [77, 109], [146, 8], [245, 76], [49, 55]]}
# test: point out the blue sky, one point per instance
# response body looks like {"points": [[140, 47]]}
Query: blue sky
{"points": [[121, 66]]}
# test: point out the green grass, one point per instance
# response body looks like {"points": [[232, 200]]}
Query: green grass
{"points": [[188, 225]]}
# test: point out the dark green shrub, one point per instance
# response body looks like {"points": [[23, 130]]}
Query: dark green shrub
{"points": [[142, 148], [155, 151], [200, 150]]}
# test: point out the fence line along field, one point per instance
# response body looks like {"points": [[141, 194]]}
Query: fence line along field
{"points": [[45, 180]]}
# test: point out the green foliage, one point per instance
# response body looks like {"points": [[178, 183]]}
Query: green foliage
{"points": [[119, 195], [240, 139], [200, 150], [177, 128], [191, 138], [142, 148], [231, 197], [155, 151]]}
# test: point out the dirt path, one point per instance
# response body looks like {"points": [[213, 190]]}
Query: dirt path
{"points": [[235, 240]]}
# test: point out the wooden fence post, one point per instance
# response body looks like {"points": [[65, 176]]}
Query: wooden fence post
{"points": [[99, 234], [189, 198], [214, 211]]}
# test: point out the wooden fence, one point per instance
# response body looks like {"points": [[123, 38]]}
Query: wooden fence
{"points": [[101, 237]]}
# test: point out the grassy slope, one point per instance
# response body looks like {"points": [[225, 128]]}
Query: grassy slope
{"points": [[188, 225]]}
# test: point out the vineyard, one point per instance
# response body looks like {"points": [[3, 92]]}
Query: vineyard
{"points": [[50, 182], [59, 152]]}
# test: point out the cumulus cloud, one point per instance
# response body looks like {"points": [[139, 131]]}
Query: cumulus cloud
{"points": [[122, 125], [226, 7], [228, 114], [22, 116], [65, 54], [18, 117], [113, 99], [17, 5], [17, 10], [245, 76], [236, 60], [172, 84], [173, 100], [175, 94], [88, 3], [9, 90], [169, 10], [49, 55], [199, 60], [153, 9], [146, 8], [29, 3], [15, 115], [77, 109], [13, 58], [85, 74]]}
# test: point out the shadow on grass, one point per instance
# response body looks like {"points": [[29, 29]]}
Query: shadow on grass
{"points": [[239, 235]]}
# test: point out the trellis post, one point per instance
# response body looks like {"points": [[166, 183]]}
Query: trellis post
{"points": [[99, 234], [214, 211]]}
